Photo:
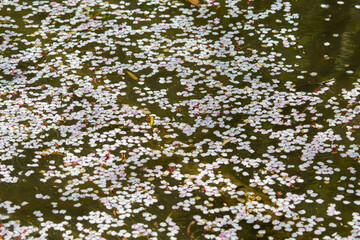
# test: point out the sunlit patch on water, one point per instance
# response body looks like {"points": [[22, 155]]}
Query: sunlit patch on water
{"points": [[179, 119]]}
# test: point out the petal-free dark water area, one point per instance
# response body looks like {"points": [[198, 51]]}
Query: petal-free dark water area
{"points": [[160, 119]]}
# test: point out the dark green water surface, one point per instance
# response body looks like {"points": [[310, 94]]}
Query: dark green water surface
{"points": [[159, 119]]}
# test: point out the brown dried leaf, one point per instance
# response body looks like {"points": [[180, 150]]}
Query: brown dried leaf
{"points": [[58, 153], [45, 150], [225, 141], [195, 2]]}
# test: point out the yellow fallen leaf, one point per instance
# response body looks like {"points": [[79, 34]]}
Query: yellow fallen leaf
{"points": [[152, 120], [132, 75]]}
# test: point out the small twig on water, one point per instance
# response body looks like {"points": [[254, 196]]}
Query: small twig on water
{"points": [[189, 228], [321, 83]]}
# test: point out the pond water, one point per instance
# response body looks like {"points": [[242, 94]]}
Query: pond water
{"points": [[170, 119]]}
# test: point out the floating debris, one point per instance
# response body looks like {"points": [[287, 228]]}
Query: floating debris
{"points": [[195, 2], [132, 75], [152, 119], [237, 149]]}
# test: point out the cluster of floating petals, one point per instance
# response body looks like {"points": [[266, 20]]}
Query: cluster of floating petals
{"points": [[169, 119]]}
